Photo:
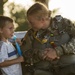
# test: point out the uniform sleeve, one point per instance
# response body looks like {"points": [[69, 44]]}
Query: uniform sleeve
{"points": [[68, 48], [69, 27], [59, 51], [26, 48], [26, 43]]}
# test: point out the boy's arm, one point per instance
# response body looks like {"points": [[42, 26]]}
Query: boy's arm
{"points": [[11, 62]]}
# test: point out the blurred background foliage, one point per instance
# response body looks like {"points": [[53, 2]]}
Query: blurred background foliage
{"points": [[2, 2], [18, 13]]}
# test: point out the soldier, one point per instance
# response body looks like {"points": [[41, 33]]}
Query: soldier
{"points": [[46, 44]]}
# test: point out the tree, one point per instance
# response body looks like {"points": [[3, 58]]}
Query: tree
{"points": [[2, 2], [43, 1], [18, 13]]}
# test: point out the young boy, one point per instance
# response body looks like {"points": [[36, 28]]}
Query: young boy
{"points": [[43, 44], [10, 62]]}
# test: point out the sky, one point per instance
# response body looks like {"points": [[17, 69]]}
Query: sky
{"points": [[66, 7]]}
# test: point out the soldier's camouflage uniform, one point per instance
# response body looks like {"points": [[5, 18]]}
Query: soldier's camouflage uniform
{"points": [[61, 32]]}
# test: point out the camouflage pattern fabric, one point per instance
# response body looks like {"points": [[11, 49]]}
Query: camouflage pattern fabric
{"points": [[61, 31]]}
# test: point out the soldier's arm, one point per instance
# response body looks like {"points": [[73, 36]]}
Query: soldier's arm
{"points": [[26, 47], [26, 43], [67, 48], [69, 27]]}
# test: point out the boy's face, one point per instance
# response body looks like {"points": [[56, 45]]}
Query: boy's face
{"points": [[8, 30], [38, 22]]}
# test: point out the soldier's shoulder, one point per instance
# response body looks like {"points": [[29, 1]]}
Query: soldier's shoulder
{"points": [[67, 20], [29, 31], [27, 34], [58, 18]]}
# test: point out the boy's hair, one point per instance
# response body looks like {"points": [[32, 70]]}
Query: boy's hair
{"points": [[3, 20], [39, 9]]}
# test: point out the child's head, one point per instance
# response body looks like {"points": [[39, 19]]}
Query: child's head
{"points": [[6, 27], [38, 15]]}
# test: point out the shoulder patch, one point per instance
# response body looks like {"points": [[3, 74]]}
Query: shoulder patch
{"points": [[58, 18]]}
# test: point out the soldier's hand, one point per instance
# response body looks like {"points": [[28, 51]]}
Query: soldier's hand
{"points": [[49, 54], [19, 41], [20, 59]]}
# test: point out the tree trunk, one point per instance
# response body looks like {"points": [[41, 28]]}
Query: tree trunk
{"points": [[43, 1], [1, 7]]}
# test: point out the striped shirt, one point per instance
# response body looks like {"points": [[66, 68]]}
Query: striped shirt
{"points": [[8, 52]]}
